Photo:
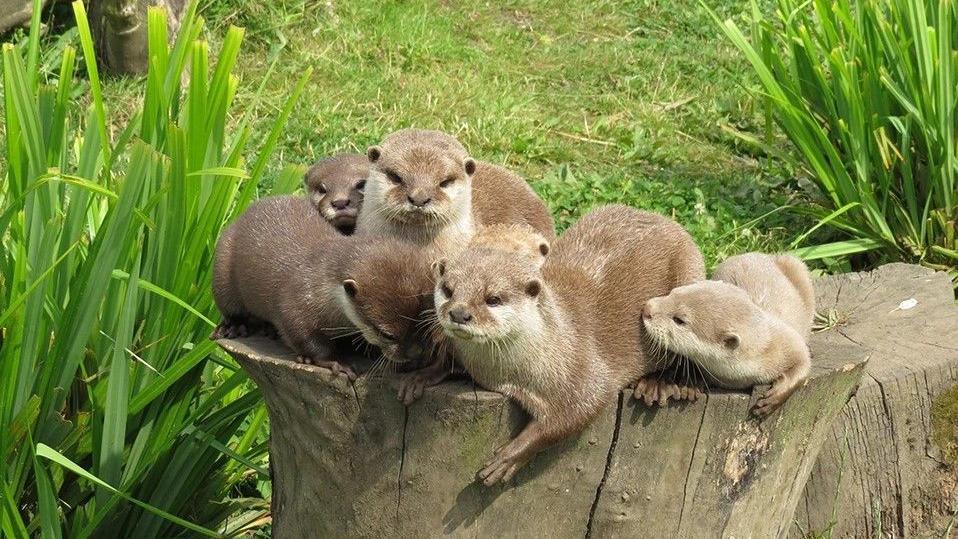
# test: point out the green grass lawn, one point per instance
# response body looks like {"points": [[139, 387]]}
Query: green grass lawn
{"points": [[593, 102]]}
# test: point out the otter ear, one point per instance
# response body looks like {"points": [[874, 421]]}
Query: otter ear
{"points": [[544, 248], [374, 153], [470, 165], [351, 288], [439, 267], [731, 341], [533, 288]]}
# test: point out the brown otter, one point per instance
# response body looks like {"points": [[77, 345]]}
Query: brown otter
{"points": [[746, 327], [561, 338], [335, 187], [425, 188], [515, 238], [282, 263]]}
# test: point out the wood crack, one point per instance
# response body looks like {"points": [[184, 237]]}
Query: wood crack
{"points": [[608, 466], [688, 473]]}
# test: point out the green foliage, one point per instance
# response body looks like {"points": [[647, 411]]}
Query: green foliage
{"points": [[120, 418], [866, 92]]}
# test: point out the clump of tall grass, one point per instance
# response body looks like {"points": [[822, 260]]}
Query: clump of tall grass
{"points": [[119, 417], [866, 92]]}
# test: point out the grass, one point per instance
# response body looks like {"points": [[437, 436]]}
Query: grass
{"points": [[628, 98], [865, 91], [120, 417]]}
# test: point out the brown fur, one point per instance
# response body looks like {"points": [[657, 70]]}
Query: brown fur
{"points": [[515, 238], [334, 186], [281, 263], [425, 188], [567, 335], [746, 328]]}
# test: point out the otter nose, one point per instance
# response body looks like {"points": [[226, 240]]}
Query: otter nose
{"points": [[460, 316], [340, 203], [418, 200], [648, 310]]}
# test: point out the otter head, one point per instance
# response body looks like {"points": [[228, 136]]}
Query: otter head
{"points": [[386, 294], [713, 324], [421, 178], [488, 295], [335, 187], [517, 238]]}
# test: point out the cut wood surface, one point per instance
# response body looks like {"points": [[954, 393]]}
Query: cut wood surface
{"points": [[350, 459]]}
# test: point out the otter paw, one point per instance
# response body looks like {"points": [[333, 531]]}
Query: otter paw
{"points": [[501, 468], [411, 387], [771, 400]]}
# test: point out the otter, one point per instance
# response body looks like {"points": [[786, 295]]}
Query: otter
{"points": [[281, 263], [514, 238], [746, 327], [562, 337], [424, 187], [335, 187]]}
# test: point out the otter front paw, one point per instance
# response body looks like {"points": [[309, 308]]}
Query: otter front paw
{"points": [[335, 366], [652, 390], [413, 384], [229, 330], [774, 397], [502, 467]]}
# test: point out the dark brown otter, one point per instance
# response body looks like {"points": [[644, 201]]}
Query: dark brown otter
{"points": [[335, 187], [282, 263]]}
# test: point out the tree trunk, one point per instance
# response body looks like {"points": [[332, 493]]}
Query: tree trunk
{"points": [[15, 13], [120, 28], [352, 460]]}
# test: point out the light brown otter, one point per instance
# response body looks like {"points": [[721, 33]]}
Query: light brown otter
{"points": [[282, 263], [515, 238], [561, 338], [335, 185], [746, 327], [425, 188]]}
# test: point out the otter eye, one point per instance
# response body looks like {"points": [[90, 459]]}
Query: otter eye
{"points": [[493, 301], [321, 189], [386, 335], [361, 185], [446, 291], [679, 321], [447, 182], [393, 177]]}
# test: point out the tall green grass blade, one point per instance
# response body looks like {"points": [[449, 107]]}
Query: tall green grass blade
{"points": [[54, 456], [837, 249]]}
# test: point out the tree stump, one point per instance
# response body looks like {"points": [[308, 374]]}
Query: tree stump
{"points": [[351, 459], [880, 473], [120, 27]]}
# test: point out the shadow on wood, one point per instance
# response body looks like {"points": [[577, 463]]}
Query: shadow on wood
{"points": [[350, 459]]}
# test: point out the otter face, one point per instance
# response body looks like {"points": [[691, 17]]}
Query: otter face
{"points": [[335, 187], [487, 295], [421, 185], [712, 323], [387, 297]]}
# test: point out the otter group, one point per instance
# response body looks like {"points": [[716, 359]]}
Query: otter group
{"points": [[446, 263]]}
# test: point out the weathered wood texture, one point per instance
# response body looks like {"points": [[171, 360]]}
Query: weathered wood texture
{"points": [[879, 467], [352, 460], [120, 28], [15, 13]]}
